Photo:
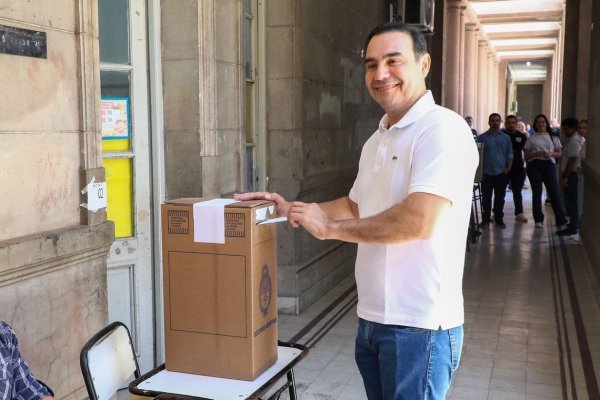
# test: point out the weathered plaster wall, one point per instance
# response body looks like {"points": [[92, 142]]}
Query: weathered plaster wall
{"points": [[202, 76], [52, 252], [590, 222], [319, 114], [39, 123], [53, 294]]}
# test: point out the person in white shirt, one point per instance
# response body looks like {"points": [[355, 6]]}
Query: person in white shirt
{"points": [[540, 152], [408, 210], [569, 180]]}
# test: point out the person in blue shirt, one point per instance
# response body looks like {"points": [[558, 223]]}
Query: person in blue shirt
{"points": [[497, 163], [16, 380]]}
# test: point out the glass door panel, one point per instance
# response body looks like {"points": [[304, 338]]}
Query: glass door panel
{"points": [[113, 21]]}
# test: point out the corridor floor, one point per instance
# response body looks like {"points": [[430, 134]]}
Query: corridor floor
{"points": [[532, 323]]}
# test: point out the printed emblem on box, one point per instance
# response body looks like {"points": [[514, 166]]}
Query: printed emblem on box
{"points": [[266, 291], [178, 222], [235, 224]]}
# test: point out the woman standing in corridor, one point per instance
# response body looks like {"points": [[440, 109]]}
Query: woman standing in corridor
{"points": [[541, 151]]}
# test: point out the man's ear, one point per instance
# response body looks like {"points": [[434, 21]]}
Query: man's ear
{"points": [[425, 62]]}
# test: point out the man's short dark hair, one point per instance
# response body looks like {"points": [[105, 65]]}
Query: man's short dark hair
{"points": [[570, 122], [512, 117], [419, 42], [495, 115]]}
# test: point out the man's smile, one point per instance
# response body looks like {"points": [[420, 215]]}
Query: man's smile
{"points": [[385, 88]]}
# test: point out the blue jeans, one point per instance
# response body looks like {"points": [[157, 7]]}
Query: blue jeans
{"points": [[496, 185], [571, 194], [517, 179], [544, 171], [405, 363]]}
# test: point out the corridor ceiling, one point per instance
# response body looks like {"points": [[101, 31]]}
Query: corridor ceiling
{"points": [[524, 32]]}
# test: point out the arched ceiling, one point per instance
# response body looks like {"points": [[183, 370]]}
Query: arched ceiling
{"points": [[524, 32]]}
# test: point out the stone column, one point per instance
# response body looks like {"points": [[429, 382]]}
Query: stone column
{"points": [[502, 86], [497, 105], [491, 84], [549, 85], [583, 59], [461, 72], [481, 116], [557, 83], [470, 71], [451, 89], [571, 21]]}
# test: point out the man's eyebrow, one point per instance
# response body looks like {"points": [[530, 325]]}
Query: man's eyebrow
{"points": [[388, 55]]}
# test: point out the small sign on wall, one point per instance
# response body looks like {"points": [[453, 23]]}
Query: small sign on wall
{"points": [[22, 42], [96, 195], [114, 117]]}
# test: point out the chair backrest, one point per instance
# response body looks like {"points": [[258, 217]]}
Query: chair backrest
{"points": [[107, 360]]}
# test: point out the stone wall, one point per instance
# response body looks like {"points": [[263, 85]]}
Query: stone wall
{"points": [[52, 252], [319, 114], [53, 294], [202, 95], [590, 222]]}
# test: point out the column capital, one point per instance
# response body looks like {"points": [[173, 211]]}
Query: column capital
{"points": [[471, 27], [455, 4]]}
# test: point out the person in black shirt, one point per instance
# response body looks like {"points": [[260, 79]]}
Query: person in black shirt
{"points": [[517, 173]]}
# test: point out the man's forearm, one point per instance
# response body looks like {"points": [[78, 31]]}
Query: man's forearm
{"points": [[340, 209], [415, 218]]}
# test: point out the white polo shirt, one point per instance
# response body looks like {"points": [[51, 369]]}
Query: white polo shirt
{"points": [[572, 149], [416, 283]]}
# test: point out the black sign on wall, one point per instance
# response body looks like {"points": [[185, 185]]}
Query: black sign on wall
{"points": [[22, 42]]}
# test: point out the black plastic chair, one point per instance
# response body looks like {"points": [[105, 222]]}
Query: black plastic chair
{"points": [[108, 360]]}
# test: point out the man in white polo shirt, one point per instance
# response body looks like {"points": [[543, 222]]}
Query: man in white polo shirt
{"points": [[408, 211]]}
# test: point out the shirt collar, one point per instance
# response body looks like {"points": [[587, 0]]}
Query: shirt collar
{"points": [[420, 108], [497, 133]]}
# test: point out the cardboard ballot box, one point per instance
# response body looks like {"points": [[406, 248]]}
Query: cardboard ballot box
{"points": [[220, 293]]}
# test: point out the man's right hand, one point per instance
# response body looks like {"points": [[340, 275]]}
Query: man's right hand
{"points": [[283, 206]]}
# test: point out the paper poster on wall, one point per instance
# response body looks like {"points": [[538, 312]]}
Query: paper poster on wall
{"points": [[114, 114]]}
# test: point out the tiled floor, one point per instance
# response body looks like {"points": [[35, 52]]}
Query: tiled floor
{"points": [[532, 328]]}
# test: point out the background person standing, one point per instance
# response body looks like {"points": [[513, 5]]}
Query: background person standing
{"points": [[517, 172], [569, 180], [469, 120], [497, 163], [541, 151]]}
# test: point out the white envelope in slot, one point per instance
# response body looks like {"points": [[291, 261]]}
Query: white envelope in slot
{"points": [[263, 214]]}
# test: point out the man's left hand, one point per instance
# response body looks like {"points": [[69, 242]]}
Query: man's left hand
{"points": [[311, 217]]}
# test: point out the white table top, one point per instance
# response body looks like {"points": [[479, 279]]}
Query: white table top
{"points": [[216, 388]]}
